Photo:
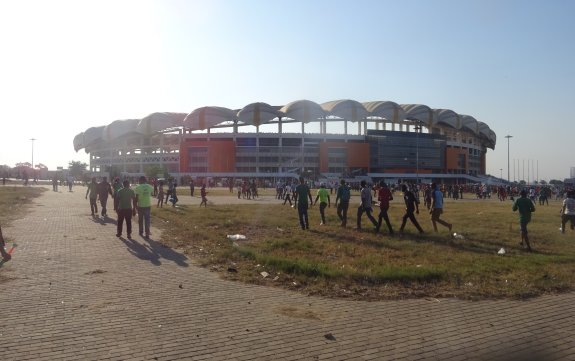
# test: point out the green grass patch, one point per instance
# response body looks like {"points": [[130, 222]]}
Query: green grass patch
{"points": [[342, 262]]}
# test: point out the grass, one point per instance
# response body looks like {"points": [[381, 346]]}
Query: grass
{"points": [[15, 201], [335, 262]]}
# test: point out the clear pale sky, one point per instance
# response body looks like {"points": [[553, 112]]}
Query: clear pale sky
{"points": [[68, 65]]}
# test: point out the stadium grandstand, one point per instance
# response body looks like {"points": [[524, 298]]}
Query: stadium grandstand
{"points": [[342, 138]]}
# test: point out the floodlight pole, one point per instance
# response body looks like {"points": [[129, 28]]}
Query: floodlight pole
{"points": [[32, 139], [417, 130], [508, 137]]}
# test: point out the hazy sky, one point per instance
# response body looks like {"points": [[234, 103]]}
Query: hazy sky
{"points": [[68, 65]]}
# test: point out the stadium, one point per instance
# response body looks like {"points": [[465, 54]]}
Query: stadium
{"points": [[342, 138]]}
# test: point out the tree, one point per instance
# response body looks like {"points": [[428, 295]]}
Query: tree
{"points": [[76, 168], [555, 182]]}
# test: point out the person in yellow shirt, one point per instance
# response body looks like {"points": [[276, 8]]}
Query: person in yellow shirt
{"points": [[324, 201], [144, 193]]}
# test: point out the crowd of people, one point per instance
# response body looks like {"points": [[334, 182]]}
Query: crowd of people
{"points": [[129, 202], [524, 201]]}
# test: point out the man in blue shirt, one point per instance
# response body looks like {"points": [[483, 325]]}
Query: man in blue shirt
{"points": [[437, 208]]}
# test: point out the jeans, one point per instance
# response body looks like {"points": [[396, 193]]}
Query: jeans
{"points": [[360, 210], [93, 206], [125, 214], [342, 207], [303, 218], [103, 203], [322, 206], [144, 220], [409, 215], [383, 216]]}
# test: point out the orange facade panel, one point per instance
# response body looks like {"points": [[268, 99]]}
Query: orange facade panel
{"points": [[221, 155], [452, 156], [357, 154]]}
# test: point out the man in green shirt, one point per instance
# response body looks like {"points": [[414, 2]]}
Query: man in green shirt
{"points": [[302, 193], [525, 207], [144, 193], [125, 202], [324, 201]]}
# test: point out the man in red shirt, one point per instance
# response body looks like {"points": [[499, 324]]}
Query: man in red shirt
{"points": [[384, 196]]}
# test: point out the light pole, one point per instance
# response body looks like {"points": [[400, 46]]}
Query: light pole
{"points": [[508, 137], [32, 139], [417, 129]]}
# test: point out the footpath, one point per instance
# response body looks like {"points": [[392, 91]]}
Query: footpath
{"points": [[74, 291]]}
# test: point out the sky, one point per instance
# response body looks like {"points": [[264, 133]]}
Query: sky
{"points": [[66, 66]]}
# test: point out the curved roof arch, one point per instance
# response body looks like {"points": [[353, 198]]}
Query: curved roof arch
{"points": [[346, 109], [447, 117], [469, 123], [93, 135], [119, 128], [206, 117], [258, 113], [303, 111], [157, 122], [419, 112], [385, 109], [79, 141], [300, 111]]}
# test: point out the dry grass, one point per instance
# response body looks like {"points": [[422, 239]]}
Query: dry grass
{"points": [[15, 200], [332, 261]]}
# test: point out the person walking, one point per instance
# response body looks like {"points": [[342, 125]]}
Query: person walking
{"points": [[125, 208], [525, 206], [104, 188], [116, 186], [160, 195], [342, 202], [92, 191], [324, 201], [365, 205], [411, 206], [70, 181], [143, 205], [437, 208], [384, 196], [287, 195], [169, 191], [174, 196], [568, 211], [203, 194], [302, 194]]}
